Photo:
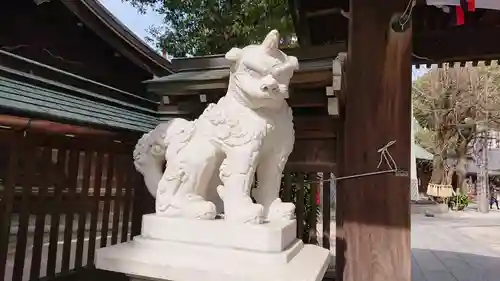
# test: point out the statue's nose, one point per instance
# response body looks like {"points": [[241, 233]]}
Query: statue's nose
{"points": [[269, 84], [271, 87]]}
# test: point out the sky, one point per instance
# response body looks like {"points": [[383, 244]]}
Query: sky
{"points": [[135, 21], [416, 73]]}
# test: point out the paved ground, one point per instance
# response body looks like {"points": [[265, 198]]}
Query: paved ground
{"points": [[463, 246], [457, 246]]}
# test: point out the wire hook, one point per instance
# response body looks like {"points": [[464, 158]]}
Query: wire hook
{"points": [[386, 155]]}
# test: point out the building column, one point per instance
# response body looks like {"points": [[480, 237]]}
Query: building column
{"points": [[373, 212]]}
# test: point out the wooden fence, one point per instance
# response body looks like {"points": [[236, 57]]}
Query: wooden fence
{"points": [[303, 190], [62, 197]]}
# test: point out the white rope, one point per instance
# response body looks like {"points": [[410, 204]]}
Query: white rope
{"points": [[386, 155], [406, 16]]}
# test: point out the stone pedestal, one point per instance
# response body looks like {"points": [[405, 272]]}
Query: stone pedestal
{"points": [[189, 250]]}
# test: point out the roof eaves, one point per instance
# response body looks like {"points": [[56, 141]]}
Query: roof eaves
{"points": [[199, 73], [422, 153], [125, 34], [25, 97], [67, 88]]}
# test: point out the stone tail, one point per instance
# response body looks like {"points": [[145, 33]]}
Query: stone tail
{"points": [[149, 156]]}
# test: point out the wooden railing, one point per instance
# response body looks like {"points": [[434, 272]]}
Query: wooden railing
{"points": [[303, 189], [61, 197]]}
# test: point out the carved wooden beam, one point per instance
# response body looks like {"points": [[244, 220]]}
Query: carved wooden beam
{"points": [[315, 127], [39, 2], [44, 126], [313, 155], [311, 166], [338, 69], [314, 97], [182, 105], [473, 44], [468, 45]]}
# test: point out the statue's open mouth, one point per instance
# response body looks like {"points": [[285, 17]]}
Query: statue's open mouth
{"points": [[271, 95]]}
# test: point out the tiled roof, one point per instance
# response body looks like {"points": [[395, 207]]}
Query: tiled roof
{"points": [[33, 99]]}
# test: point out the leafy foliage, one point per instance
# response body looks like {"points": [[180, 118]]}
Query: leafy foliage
{"points": [[459, 202], [426, 139], [309, 209], [206, 27]]}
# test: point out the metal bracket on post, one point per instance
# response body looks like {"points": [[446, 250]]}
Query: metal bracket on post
{"points": [[401, 173], [384, 155]]}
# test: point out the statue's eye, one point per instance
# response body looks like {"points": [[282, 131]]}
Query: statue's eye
{"points": [[252, 72], [255, 67]]}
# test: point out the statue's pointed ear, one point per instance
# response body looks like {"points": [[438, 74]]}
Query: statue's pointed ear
{"points": [[272, 40], [234, 54]]}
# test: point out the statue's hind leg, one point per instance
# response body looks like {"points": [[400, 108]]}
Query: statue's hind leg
{"points": [[237, 174], [185, 175]]}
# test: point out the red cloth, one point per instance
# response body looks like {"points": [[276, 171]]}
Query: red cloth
{"points": [[460, 15], [318, 197], [471, 5]]}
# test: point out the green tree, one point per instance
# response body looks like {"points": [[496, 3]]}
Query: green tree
{"points": [[207, 27]]}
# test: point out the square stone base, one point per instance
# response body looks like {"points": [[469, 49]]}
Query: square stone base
{"points": [[154, 260], [268, 237], [193, 250]]}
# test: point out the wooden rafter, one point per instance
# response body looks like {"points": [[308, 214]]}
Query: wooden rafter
{"points": [[457, 45], [105, 25], [436, 38]]}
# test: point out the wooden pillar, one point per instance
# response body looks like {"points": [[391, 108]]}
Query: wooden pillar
{"points": [[373, 213]]}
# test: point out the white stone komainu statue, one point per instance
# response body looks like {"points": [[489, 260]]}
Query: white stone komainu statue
{"points": [[249, 130]]}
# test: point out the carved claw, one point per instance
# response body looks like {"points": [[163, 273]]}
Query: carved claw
{"points": [[281, 210], [191, 206], [253, 214], [244, 211]]}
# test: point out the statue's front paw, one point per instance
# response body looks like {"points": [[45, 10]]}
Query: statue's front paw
{"points": [[244, 212], [253, 214], [205, 210], [188, 206], [198, 208], [281, 210]]}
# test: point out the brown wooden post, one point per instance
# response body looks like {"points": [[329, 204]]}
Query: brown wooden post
{"points": [[373, 226]]}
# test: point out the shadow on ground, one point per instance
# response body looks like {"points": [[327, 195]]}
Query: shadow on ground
{"points": [[436, 265]]}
